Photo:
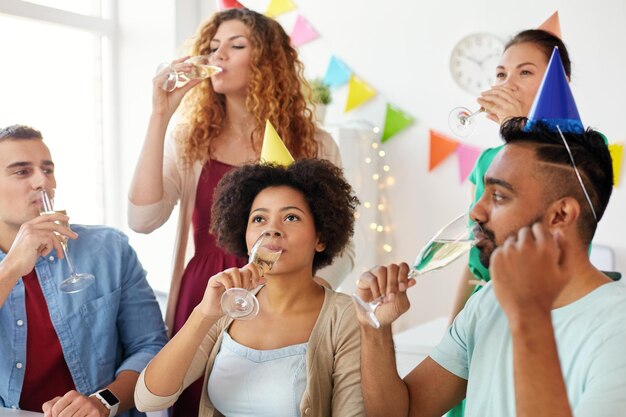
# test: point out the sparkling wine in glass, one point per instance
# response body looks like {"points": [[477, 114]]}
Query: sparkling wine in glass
{"points": [[50, 204], [452, 241], [176, 77], [239, 303], [462, 121]]}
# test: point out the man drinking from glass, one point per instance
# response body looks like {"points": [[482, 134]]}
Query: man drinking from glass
{"points": [[546, 336], [71, 354]]}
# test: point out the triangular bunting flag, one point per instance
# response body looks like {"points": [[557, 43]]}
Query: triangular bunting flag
{"points": [[554, 102], [395, 121], [617, 152], [274, 149], [302, 32], [358, 93], [441, 147], [337, 73], [552, 25], [278, 7], [228, 4], [467, 156]]}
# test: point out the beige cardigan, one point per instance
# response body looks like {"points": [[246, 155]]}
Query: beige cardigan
{"points": [[332, 365], [180, 184]]}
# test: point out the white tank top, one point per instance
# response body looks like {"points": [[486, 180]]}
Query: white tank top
{"points": [[258, 383]]}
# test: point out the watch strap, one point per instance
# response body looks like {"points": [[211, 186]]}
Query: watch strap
{"points": [[108, 399]]}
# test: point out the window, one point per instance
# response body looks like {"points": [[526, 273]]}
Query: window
{"points": [[52, 77]]}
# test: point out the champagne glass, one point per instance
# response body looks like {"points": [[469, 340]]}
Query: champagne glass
{"points": [[50, 204], [453, 240], [462, 122], [240, 303], [201, 69]]}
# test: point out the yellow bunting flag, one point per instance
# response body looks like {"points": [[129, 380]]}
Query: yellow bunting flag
{"points": [[274, 150], [617, 152], [278, 7], [552, 24], [358, 93], [441, 147]]}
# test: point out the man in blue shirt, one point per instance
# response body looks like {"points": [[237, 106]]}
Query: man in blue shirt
{"points": [[79, 353], [546, 336]]}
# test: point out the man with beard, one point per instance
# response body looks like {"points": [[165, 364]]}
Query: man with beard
{"points": [[546, 336]]}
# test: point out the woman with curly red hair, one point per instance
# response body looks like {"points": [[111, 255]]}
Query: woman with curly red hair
{"points": [[222, 127]]}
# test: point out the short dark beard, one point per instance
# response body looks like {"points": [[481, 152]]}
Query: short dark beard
{"points": [[482, 254], [490, 235]]}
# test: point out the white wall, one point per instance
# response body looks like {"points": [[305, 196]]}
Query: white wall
{"points": [[402, 49]]}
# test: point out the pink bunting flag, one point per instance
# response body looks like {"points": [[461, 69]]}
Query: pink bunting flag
{"points": [[467, 156], [303, 32]]}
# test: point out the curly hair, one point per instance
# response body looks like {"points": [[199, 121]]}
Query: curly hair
{"points": [[277, 91], [329, 196]]}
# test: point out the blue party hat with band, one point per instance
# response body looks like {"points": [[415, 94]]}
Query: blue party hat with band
{"points": [[554, 103]]}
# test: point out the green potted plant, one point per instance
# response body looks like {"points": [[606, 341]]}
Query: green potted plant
{"points": [[320, 97]]}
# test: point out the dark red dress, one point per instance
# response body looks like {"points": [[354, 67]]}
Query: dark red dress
{"points": [[207, 260]]}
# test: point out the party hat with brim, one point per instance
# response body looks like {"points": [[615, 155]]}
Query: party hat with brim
{"points": [[274, 150], [554, 104]]}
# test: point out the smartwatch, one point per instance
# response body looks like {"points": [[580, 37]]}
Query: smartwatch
{"points": [[109, 400]]}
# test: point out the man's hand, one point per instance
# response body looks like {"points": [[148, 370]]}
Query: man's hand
{"points": [[76, 405], [391, 282], [527, 271], [36, 238]]}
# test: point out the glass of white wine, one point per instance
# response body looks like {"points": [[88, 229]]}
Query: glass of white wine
{"points": [[239, 303], [50, 204], [453, 240], [176, 77]]}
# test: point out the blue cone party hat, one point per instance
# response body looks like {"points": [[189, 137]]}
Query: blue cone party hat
{"points": [[554, 103]]}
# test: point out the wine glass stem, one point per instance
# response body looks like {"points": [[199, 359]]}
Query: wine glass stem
{"points": [[413, 273], [469, 116], [68, 258]]}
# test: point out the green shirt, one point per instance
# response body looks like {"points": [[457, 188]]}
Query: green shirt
{"points": [[476, 177]]}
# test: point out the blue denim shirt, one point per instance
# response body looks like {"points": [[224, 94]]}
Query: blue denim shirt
{"points": [[111, 326]]}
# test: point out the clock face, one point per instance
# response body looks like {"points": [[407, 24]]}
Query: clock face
{"points": [[474, 60]]}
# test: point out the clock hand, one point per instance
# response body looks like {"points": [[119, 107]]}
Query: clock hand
{"points": [[474, 60], [480, 62]]}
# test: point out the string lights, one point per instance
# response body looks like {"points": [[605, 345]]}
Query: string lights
{"points": [[381, 179]]}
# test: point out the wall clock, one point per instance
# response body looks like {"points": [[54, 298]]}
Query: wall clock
{"points": [[473, 61]]}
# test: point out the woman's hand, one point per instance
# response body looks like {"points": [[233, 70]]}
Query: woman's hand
{"points": [[166, 103], [501, 104], [247, 277]]}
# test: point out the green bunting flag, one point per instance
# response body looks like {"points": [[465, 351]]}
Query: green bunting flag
{"points": [[395, 121]]}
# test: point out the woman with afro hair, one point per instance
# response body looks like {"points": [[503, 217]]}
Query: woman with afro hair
{"points": [[300, 356]]}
